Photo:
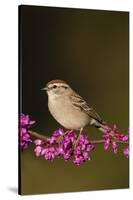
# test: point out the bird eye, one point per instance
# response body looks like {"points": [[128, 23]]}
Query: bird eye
{"points": [[54, 86]]}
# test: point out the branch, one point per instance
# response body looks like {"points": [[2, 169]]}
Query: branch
{"points": [[68, 144], [43, 137], [37, 135], [102, 141]]}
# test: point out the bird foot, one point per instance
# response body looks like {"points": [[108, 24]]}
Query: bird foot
{"points": [[75, 144], [60, 139], [62, 136], [77, 141]]}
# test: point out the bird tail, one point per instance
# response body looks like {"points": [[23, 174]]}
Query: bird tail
{"points": [[101, 126]]}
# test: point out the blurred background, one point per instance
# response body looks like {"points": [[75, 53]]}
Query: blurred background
{"points": [[90, 50]]}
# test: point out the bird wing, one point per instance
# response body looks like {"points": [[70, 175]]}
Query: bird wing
{"points": [[79, 102]]}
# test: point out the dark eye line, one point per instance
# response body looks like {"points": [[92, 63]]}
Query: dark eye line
{"points": [[54, 86], [65, 87]]}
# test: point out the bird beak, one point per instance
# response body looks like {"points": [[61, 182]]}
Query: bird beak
{"points": [[45, 88]]}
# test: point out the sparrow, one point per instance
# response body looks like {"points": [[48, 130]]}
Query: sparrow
{"points": [[69, 109]]}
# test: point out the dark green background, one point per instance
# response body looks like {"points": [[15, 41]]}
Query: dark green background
{"points": [[90, 50]]}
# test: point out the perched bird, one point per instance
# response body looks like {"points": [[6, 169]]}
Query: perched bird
{"points": [[69, 109]]}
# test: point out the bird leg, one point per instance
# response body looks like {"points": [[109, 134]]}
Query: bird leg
{"points": [[77, 141], [62, 136]]}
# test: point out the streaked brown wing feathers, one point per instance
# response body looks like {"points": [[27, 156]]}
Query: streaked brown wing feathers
{"points": [[79, 102]]}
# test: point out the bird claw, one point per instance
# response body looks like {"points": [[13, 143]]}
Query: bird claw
{"points": [[60, 139], [75, 144], [77, 141], [62, 136]]}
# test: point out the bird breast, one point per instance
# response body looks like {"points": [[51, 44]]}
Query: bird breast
{"points": [[68, 115]]}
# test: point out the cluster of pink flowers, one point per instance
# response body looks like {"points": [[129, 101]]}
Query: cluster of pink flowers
{"points": [[24, 125], [112, 136], [64, 145], [126, 151], [68, 144]]}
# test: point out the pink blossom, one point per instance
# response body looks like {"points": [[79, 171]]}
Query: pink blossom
{"points": [[126, 151], [38, 150], [113, 136], [24, 136], [66, 148]]}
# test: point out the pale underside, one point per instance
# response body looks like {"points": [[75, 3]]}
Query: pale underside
{"points": [[72, 114]]}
